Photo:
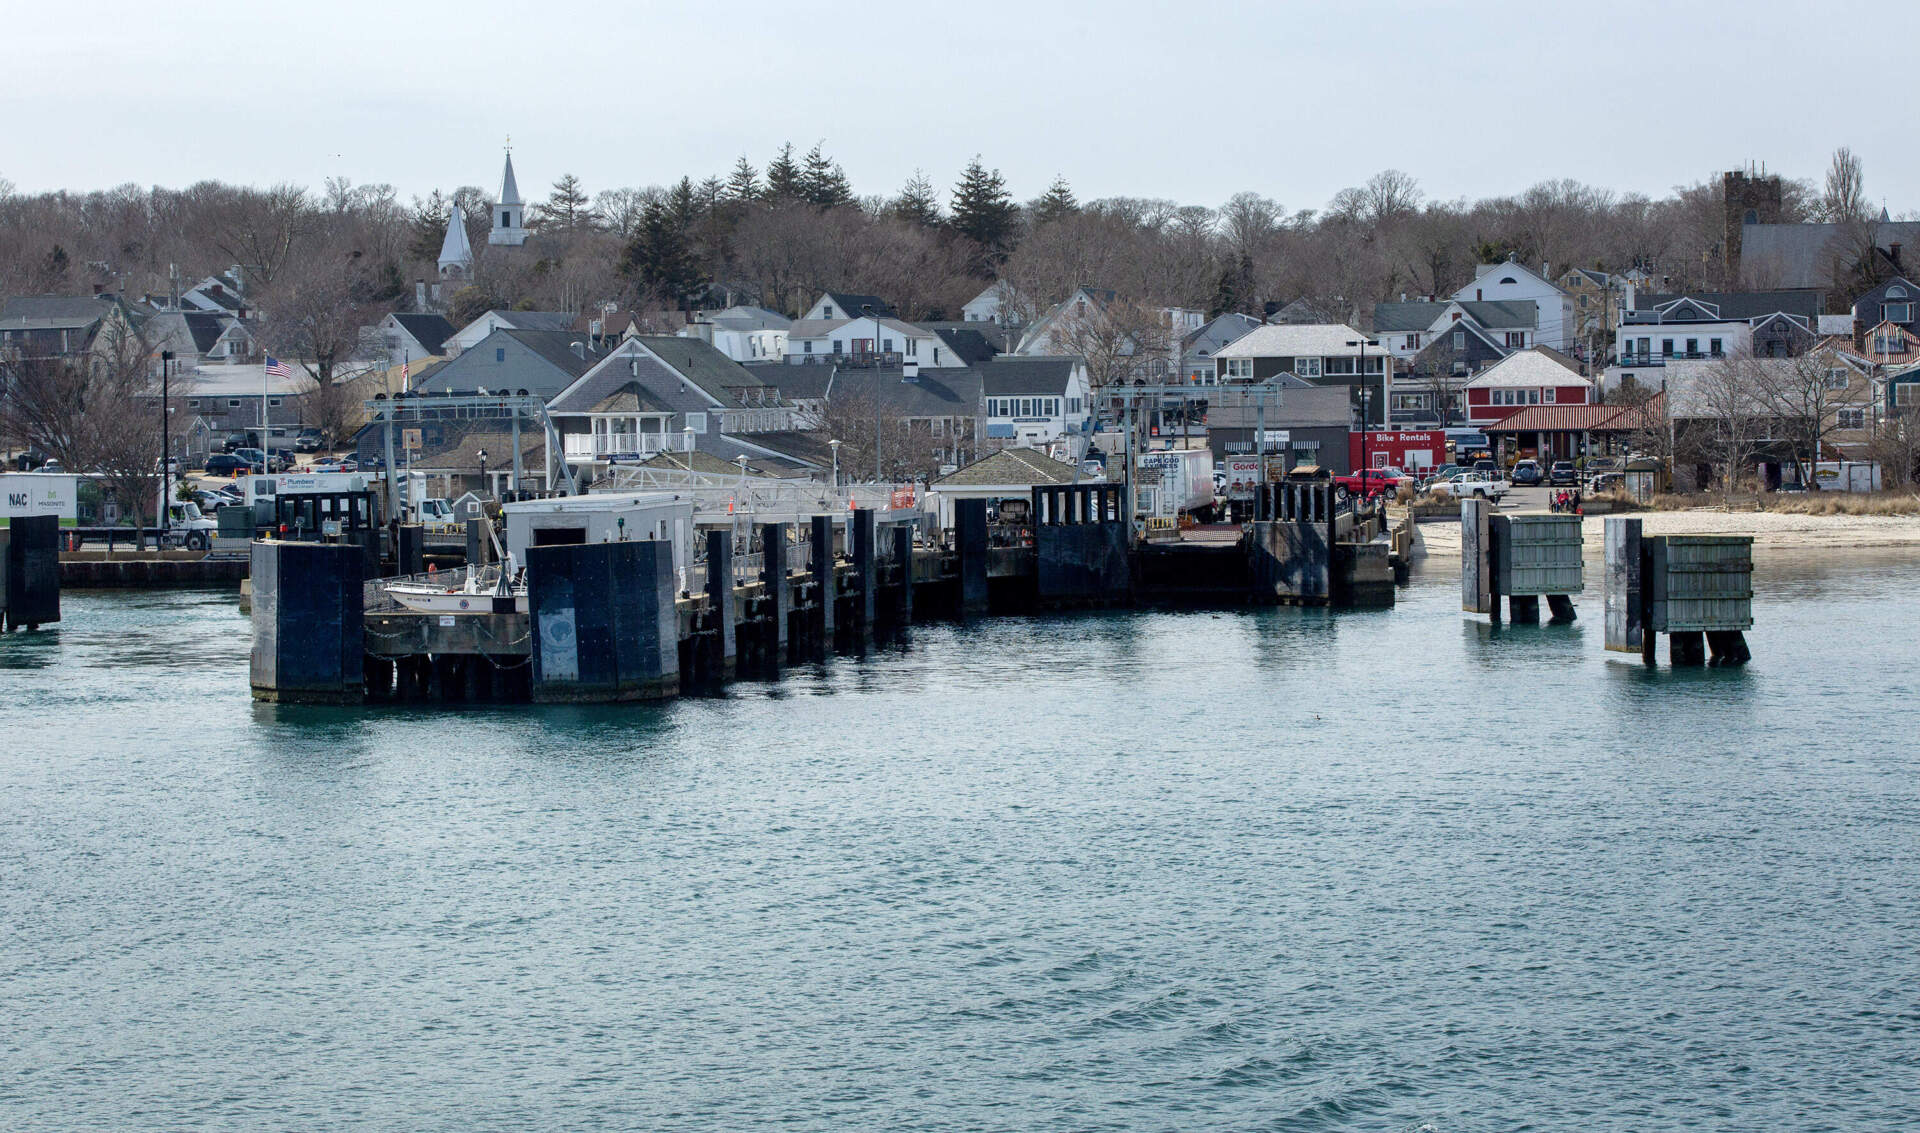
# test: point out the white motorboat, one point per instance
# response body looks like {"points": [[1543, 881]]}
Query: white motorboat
{"points": [[484, 590]]}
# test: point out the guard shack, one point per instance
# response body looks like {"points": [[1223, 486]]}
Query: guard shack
{"points": [[332, 516]]}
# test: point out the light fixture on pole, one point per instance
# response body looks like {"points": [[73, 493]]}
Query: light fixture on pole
{"points": [[687, 432], [483, 473], [1361, 374], [835, 446]]}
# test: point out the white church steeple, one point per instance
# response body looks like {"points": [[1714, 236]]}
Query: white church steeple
{"points": [[456, 254], [509, 212]]}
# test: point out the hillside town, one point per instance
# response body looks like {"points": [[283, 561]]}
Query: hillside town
{"points": [[1752, 332]]}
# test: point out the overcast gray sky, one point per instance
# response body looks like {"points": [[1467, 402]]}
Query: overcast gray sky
{"points": [[1193, 101]]}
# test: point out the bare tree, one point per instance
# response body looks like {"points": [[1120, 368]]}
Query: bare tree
{"points": [[1730, 423], [1844, 197], [1800, 395]]}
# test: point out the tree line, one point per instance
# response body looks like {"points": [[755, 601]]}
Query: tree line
{"points": [[777, 234]]}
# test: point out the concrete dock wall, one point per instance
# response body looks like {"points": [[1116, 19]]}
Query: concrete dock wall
{"points": [[308, 629], [603, 620]]}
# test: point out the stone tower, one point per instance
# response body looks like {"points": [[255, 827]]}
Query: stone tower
{"points": [[509, 226], [1750, 198]]}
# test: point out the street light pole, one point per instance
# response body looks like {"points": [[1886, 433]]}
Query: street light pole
{"points": [[835, 446], [483, 473], [1366, 461], [166, 445]]}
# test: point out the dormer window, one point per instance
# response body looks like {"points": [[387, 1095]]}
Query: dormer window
{"points": [[827, 311]]}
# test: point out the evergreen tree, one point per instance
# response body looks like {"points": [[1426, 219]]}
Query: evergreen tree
{"points": [[569, 207], [429, 224], [822, 182], [917, 202], [1057, 202], [659, 258], [743, 184], [784, 183], [1235, 290], [983, 212]]}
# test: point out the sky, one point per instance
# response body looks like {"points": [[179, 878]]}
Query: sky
{"points": [[1193, 101]]}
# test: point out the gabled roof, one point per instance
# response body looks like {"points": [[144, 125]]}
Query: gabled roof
{"points": [[703, 365], [968, 345], [631, 397], [750, 319], [1222, 331], [1597, 278], [1305, 311], [1536, 366], [1803, 255], [1732, 306], [1295, 340], [934, 393], [1405, 318], [1502, 314], [1012, 375], [430, 331], [795, 383], [553, 364], [814, 328], [1014, 467], [57, 310], [1002, 338], [851, 304]]}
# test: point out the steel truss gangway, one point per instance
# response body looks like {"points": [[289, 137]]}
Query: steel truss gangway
{"points": [[404, 410]]}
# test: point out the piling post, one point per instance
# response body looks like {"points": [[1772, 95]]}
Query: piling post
{"points": [[308, 632], [970, 535], [720, 601], [1476, 558], [903, 554], [31, 579], [866, 565], [1622, 585], [603, 621], [410, 549], [779, 592], [826, 589], [478, 545]]}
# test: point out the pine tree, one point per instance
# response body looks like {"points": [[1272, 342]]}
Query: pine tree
{"points": [[1235, 290], [917, 203], [569, 207], [429, 225], [983, 212], [743, 184], [783, 178], [822, 182], [1057, 202], [659, 258]]}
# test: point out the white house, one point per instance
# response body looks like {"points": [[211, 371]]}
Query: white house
{"points": [[1037, 403], [744, 334], [995, 304], [866, 341], [1511, 281], [844, 305]]}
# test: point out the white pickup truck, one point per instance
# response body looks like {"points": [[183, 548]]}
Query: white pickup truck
{"points": [[1470, 484]]}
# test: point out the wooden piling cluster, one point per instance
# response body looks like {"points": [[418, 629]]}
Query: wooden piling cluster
{"points": [[1696, 589], [1522, 558]]}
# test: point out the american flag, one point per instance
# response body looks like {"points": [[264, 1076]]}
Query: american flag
{"points": [[278, 369]]}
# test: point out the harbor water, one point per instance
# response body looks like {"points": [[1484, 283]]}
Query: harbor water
{"points": [[1275, 869]]}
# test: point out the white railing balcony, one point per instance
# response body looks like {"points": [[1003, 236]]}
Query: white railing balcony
{"points": [[622, 446]]}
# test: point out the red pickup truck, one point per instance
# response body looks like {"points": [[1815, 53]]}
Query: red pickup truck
{"points": [[1378, 480]]}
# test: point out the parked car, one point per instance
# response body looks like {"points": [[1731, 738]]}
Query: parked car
{"points": [[336, 464], [235, 441], [53, 465], [1562, 474], [1470, 484], [1598, 464], [227, 464], [1487, 466], [1526, 474], [279, 460], [309, 440], [257, 458], [209, 499], [1377, 481]]}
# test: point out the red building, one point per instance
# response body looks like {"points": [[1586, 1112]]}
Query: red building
{"points": [[1398, 448], [1538, 376]]}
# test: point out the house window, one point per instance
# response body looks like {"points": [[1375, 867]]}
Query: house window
{"points": [[1666, 348], [1459, 340], [233, 403], [273, 401], [939, 428], [1906, 393], [1307, 367], [1412, 342], [936, 355], [826, 311], [1339, 366], [1073, 405], [1836, 378], [886, 346], [1693, 348], [806, 347], [1850, 418], [913, 351], [1897, 312], [836, 347], [1516, 338], [1714, 347], [1546, 397], [697, 422], [499, 354], [1889, 343], [193, 403], [1240, 368]]}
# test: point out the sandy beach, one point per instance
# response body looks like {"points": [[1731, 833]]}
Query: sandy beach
{"points": [[1771, 531]]}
